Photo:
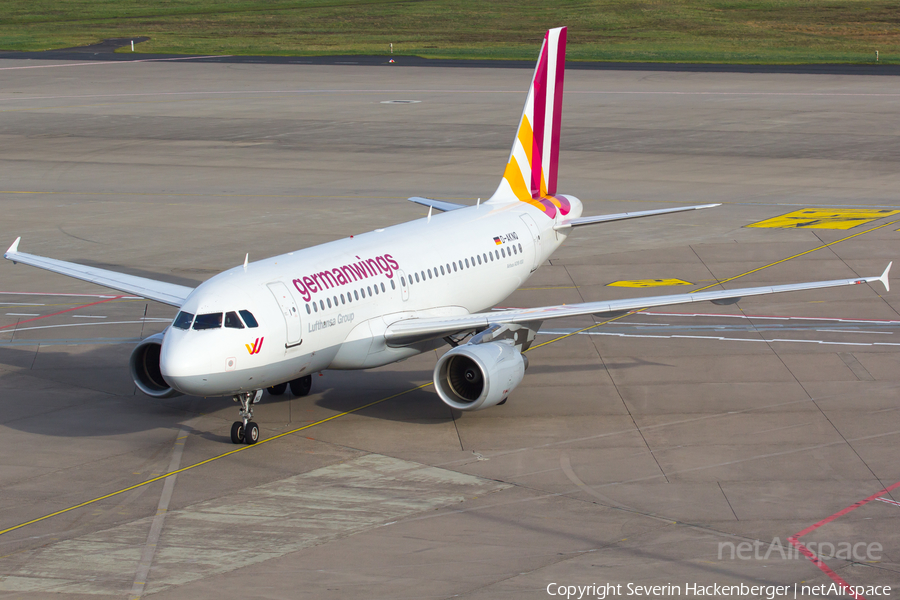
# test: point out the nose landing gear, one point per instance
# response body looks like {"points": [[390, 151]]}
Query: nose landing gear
{"points": [[246, 431]]}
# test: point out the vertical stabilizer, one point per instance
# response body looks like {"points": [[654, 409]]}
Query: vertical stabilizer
{"points": [[531, 171]]}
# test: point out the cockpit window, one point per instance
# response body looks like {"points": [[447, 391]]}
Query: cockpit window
{"points": [[183, 320], [249, 319], [208, 321], [232, 321]]}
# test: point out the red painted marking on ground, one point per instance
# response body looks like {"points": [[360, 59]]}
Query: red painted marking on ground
{"points": [[666, 314], [60, 312], [795, 539]]}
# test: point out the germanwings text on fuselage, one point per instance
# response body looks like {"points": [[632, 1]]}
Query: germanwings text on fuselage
{"points": [[345, 275]]}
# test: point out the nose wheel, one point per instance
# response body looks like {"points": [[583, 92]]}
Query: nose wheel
{"points": [[246, 431]]}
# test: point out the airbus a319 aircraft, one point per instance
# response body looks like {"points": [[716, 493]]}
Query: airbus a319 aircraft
{"points": [[377, 298]]}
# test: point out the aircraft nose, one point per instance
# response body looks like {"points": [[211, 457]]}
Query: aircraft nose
{"points": [[182, 366]]}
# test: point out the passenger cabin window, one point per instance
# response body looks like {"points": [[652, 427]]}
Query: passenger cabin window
{"points": [[249, 319], [232, 321], [308, 311], [183, 320], [208, 321]]}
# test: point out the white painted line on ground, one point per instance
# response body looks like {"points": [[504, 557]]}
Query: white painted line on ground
{"points": [[849, 331], [20, 304], [110, 62], [21, 329], [888, 501], [776, 318], [88, 317], [22, 315], [72, 295], [717, 338]]}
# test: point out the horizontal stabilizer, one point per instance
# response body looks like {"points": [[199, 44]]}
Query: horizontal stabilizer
{"points": [[437, 204], [160, 291], [627, 215]]}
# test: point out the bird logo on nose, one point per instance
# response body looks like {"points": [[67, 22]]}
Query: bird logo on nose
{"points": [[256, 347]]}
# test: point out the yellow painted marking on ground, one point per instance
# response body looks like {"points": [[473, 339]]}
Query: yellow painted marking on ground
{"points": [[825, 218], [643, 283]]}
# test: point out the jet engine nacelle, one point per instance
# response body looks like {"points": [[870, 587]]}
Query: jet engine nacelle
{"points": [[476, 376], [145, 369]]}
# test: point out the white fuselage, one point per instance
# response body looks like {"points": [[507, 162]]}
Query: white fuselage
{"points": [[327, 307]]}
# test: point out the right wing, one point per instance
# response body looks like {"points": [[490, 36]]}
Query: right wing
{"points": [[167, 293], [410, 331]]}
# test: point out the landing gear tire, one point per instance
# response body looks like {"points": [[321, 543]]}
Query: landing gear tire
{"points": [[300, 387], [277, 390], [251, 433], [237, 432], [245, 430]]}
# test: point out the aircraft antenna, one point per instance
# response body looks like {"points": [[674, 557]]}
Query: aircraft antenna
{"points": [[246, 260]]}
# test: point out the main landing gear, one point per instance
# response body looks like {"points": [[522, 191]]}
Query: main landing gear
{"points": [[299, 387], [246, 431]]}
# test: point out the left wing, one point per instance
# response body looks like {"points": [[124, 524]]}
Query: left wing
{"points": [[411, 331], [167, 293]]}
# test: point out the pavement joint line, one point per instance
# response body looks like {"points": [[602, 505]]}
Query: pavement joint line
{"points": [[424, 385], [156, 526], [212, 459]]}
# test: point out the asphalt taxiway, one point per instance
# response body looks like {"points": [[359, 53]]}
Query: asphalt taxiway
{"points": [[643, 450]]}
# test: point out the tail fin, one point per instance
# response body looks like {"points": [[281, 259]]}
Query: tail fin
{"points": [[531, 171]]}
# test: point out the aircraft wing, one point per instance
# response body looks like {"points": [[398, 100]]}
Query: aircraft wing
{"points": [[626, 215], [437, 204], [167, 293], [410, 331]]}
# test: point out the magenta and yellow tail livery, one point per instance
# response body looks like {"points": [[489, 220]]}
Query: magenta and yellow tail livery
{"points": [[531, 172]]}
